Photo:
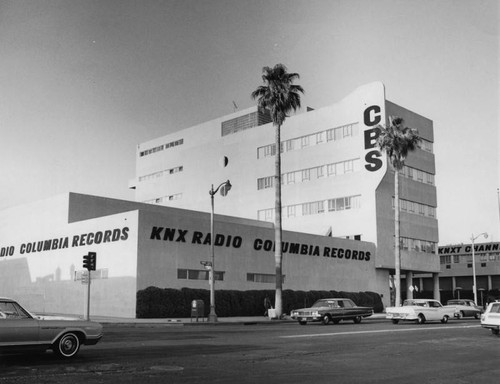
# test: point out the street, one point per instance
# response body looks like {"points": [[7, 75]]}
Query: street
{"points": [[375, 351]]}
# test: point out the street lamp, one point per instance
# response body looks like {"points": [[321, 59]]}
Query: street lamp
{"points": [[224, 189], [474, 264]]}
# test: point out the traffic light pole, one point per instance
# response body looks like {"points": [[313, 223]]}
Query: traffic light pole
{"points": [[88, 297]]}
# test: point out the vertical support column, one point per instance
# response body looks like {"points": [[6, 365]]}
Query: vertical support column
{"points": [[437, 295], [409, 284]]}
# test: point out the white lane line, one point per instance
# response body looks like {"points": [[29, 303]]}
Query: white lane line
{"points": [[378, 331]]}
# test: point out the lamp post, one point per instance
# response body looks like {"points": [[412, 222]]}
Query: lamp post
{"points": [[474, 264], [226, 186]]}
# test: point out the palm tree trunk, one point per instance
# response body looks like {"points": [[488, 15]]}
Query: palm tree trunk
{"points": [[397, 256], [278, 256]]}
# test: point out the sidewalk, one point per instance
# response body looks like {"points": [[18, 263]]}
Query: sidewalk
{"points": [[245, 320]]}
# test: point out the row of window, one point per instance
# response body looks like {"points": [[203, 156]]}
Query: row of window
{"points": [[416, 208], [329, 170], [240, 123], [312, 208], [464, 259], [417, 175], [159, 200], [161, 147], [203, 274], [332, 134], [418, 245], [154, 175], [426, 146]]}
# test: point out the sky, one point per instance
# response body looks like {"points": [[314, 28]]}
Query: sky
{"points": [[82, 83]]}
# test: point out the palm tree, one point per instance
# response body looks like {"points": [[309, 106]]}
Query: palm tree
{"points": [[397, 140], [280, 96]]}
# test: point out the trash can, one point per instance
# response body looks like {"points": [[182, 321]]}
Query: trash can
{"points": [[197, 309]]}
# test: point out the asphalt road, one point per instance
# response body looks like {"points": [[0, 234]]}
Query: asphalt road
{"points": [[370, 352]]}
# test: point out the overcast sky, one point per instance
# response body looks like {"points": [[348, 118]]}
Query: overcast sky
{"points": [[83, 82]]}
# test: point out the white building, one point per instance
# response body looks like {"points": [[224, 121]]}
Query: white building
{"points": [[335, 181]]}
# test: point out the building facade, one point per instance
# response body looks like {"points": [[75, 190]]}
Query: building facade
{"points": [[141, 245], [335, 181], [458, 267]]}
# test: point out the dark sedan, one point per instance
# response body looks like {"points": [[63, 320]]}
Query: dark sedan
{"points": [[331, 310]]}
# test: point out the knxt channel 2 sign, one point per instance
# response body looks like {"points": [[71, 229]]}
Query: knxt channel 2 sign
{"points": [[372, 116]]}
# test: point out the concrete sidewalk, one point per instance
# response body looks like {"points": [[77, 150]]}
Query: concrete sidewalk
{"points": [[243, 320]]}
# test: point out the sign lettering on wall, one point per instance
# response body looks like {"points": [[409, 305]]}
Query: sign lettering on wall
{"points": [[196, 237], [371, 118], [80, 240]]}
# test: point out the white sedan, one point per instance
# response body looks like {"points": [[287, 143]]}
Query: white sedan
{"points": [[420, 311]]}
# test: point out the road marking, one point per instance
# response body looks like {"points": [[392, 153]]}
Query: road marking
{"points": [[379, 331]]}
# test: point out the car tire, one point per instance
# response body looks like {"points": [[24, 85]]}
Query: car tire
{"points": [[421, 319], [477, 316], [394, 321], [460, 315], [326, 319], [67, 345], [444, 320], [302, 322], [357, 320]]}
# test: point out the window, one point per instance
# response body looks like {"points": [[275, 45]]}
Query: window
{"points": [[304, 141], [331, 170], [306, 175], [265, 182], [290, 210], [320, 171], [265, 214], [290, 178], [263, 278], [312, 208], [420, 176], [198, 274], [319, 137], [348, 166]]}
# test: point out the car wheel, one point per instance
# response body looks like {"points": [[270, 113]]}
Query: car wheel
{"points": [[420, 319], [495, 331], [67, 345], [477, 315], [460, 315], [302, 322], [394, 321], [444, 320], [357, 320], [326, 319]]}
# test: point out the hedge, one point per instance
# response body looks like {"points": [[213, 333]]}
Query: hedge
{"points": [[154, 302]]}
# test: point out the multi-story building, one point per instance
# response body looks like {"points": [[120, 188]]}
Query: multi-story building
{"points": [[335, 180], [458, 267]]}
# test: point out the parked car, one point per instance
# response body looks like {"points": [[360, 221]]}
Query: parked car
{"points": [[22, 331], [420, 311], [331, 310], [465, 308], [491, 317]]}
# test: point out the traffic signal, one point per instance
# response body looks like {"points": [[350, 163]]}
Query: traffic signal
{"points": [[90, 261], [86, 262]]}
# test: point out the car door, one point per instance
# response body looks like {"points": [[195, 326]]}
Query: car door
{"points": [[17, 327]]}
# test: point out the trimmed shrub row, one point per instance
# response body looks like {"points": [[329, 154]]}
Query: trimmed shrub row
{"points": [[154, 302]]}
